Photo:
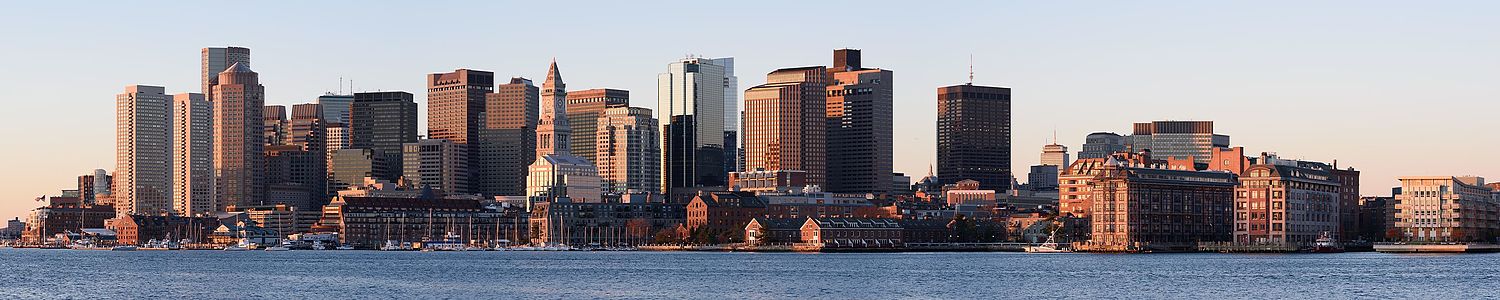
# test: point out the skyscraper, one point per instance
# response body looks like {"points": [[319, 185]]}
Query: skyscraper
{"points": [[1101, 145], [973, 135], [94, 185], [508, 142], [276, 124], [455, 101], [335, 107], [557, 172], [860, 108], [785, 124], [1056, 155], [691, 110], [308, 132], [192, 154], [351, 166], [216, 60], [239, 141], [628, 155], [383, 121], [733, 150], [143, 150], [439, 164], [1178, 139], [584, 109]]}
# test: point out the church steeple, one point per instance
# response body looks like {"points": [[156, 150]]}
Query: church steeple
{"points": [[553, 133]]}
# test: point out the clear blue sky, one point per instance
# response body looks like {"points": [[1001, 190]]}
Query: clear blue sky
{"points": [[1390, 87]]}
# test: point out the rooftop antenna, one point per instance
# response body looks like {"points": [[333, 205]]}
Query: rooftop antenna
{"points": [[341, 85], [971, 69]]}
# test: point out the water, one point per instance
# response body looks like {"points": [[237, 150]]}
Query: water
{"points": [[35, 273]]}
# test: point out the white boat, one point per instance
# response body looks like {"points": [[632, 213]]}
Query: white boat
{"points": [[344, 247], [1050, 246], [243, 245], [450, 242], [123, 248], [278, 248], [392, 245]]}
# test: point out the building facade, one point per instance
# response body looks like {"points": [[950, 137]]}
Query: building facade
{"points": [[1445, 209], [369, 222], [1285, 205], [583, 111], [1101, 145], [973, 135], [1151, 209], [455, 101], [192, 155], [691, 109], [785, 126], [1178, 139], [1056, 155], [557, 173], [628, 154], [581, 224], [860, 123], [439, 164], [239, 143], [508, 142], [216, 60], [143, 150], [383, 122]]}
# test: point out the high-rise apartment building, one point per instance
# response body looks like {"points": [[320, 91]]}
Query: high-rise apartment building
{"points": [[455, 102], [557, 173], [584, 109], [628, 156], [192, 154], [973, 135], [216, 60], [1056, 155], [239, 140], [277, 128], [786, 124], [438, 164], [508, 142], [383, 121], [143, 150], [691, 110], [1101, 145], [1444, 209], [1178, 139], [860, 124]]}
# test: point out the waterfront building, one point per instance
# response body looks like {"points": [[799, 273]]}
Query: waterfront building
{"points": [[1141, 208], [1101, 145], [369, 222], [785, 126], [352, 166], [860, 124], [277, 128], [583, 111], [580, 224], [143, 150], [455, 101], [508, 141], [724, 210], [1445, 209], [282, 219], [192, 155], [63, 215], [768, 181], [1349, 207], [13, 229], [439, 164], [1285, 204], [1375, 219], [852, 233], [383, 122], [628, 154], [238, 139], [93, 185], [139, 229], [773, 231], [556, 172], [215, 61], [973, 135], [692, 110], [1178, 139]]}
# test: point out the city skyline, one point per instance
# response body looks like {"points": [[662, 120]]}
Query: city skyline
{"points": [[1362, 99]]}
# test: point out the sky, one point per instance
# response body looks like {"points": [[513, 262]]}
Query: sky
{"points": [[1392, 88]]}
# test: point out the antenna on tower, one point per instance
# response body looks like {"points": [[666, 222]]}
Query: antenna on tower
{"points": [[971, 69], [341, 85]]}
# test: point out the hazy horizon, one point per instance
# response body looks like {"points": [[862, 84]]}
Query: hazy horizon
{"points": [[1389, 88]]}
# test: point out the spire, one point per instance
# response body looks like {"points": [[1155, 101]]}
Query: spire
{"points": [[552, 75]]}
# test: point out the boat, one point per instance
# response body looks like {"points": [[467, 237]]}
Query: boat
{"points": [[344, 247], [450, 242], [123, 248], [1326, 244], [392, 245], [1050, 246], [243, 245], [278, 248]]}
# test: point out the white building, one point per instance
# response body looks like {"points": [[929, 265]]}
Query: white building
{"points": [[628, 152]]}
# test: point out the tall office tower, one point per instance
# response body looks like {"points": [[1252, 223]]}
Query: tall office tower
{"points": [[383, 121], [785, 124], [1056, 155], [308, 132], [1101, 145], [438, 164], [733, 148], [1178, 139], [143, 150], [628, 155], [973, 135], [276, 125], [584, 109], [860, 103], [557, 172], [352, 166], [455, 101], [286, 176], [216, 60], [508, 142], [335, 107], [94, 185], [690, 110], [192, 154], [338, 137], [239, 140]]}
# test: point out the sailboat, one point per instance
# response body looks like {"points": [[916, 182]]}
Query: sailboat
{"points": [[243, 245], [1050, 246]]}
